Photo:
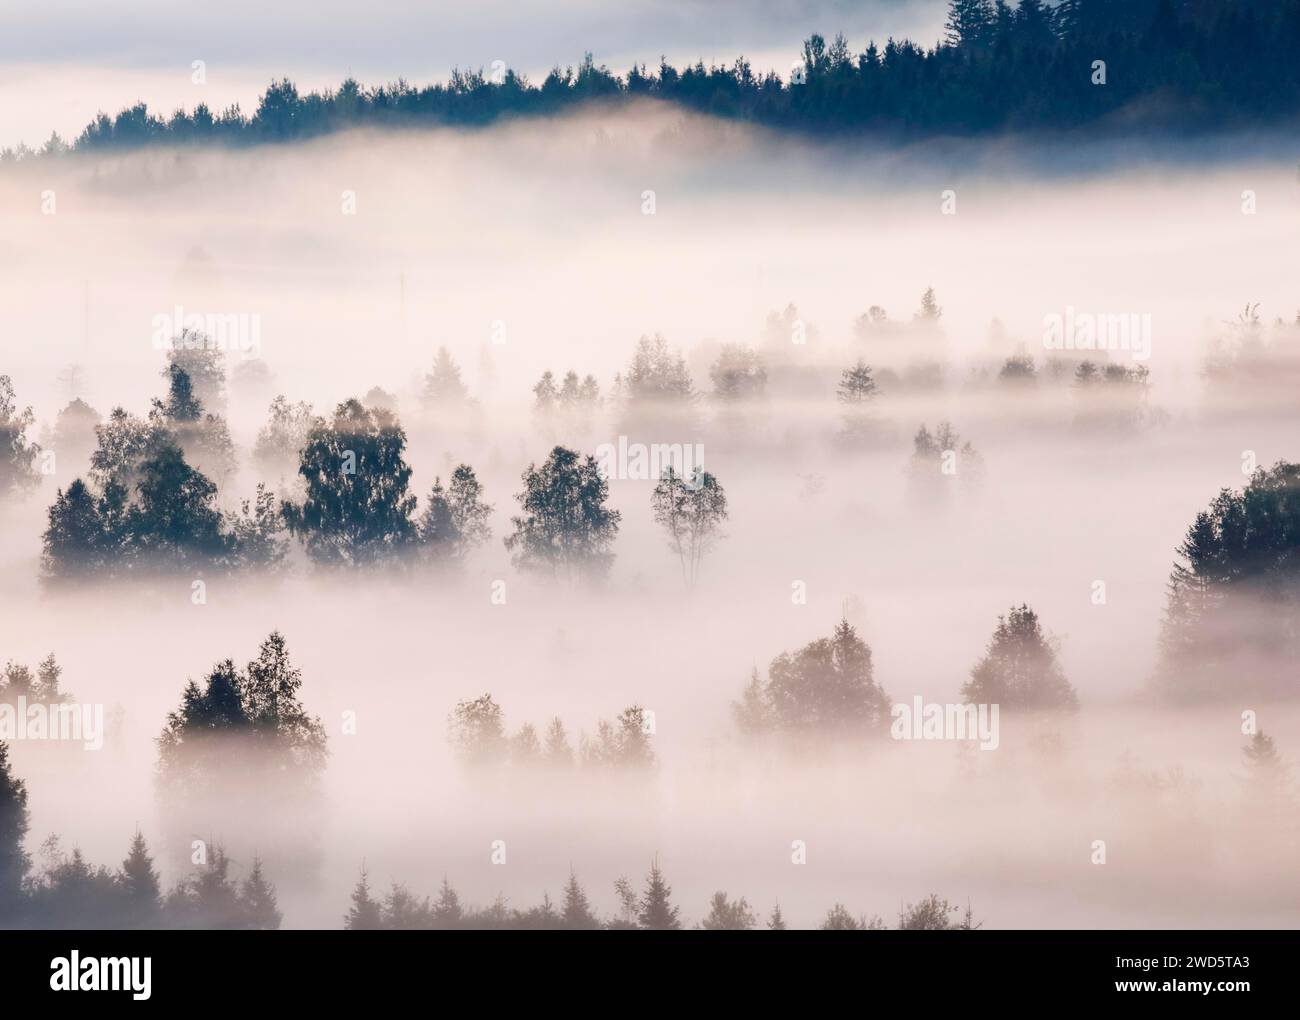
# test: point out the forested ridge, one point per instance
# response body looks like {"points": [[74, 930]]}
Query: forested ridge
{"points": [[1182, 65]]}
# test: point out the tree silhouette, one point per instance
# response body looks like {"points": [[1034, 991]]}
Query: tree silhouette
{"points": [[281, 440], [728, 915], [826, 687], [203, 362], [17, 453], [565, 529], [174, 522], [856, 391], [1194, 67], [1233, 593], [478, 733], [657, 392], [356, 509], [656, 912], [258, 896], [14, 821], [140, 886], [1020, 669], [738, 374], [455, 520], [691, 511], [933, 914], [577, 913], [443, 389], [365, 914], [257, 713]]}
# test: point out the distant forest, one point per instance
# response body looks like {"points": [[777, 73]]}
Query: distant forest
{"points": [[1181, 65]]}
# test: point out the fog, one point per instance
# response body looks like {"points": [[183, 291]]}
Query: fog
{"points": [[528, 247]]}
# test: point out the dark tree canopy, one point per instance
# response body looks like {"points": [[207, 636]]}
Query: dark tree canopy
{"points": [[356, 509], [1188, 66], [455, 519], [1233, 603], [254, 717], [14, 821], [566, 528]]}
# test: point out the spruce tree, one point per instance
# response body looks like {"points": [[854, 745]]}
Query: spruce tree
{"points": [[365, 913], [657, 912], [258, 900], [577, 913], [447, 910], [140, 885]]}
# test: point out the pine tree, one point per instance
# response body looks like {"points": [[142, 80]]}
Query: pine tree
{"points": [[47, 687], [776, 922], [753, 712], [365, 913], [657, 912], [76, 541], [968, 22], [140, 885], [546, 394], [1269, 795], [258, 900], [443, 387], [558, 752], [577, 913], [447, 911], [930, 311]]}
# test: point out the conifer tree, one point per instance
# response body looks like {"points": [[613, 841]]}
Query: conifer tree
{"points": [[140, 885], [577, 913], [14, 821], [365, 914], [1020, 668], [258, 899], [657, 912]]}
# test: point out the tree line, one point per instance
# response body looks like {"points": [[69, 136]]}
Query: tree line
{"points": [[1031, 65], [651, 909], [69, 892], [477, 732]]}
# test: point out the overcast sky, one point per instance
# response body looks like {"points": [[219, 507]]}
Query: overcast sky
{"points": [[63, 60]]}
